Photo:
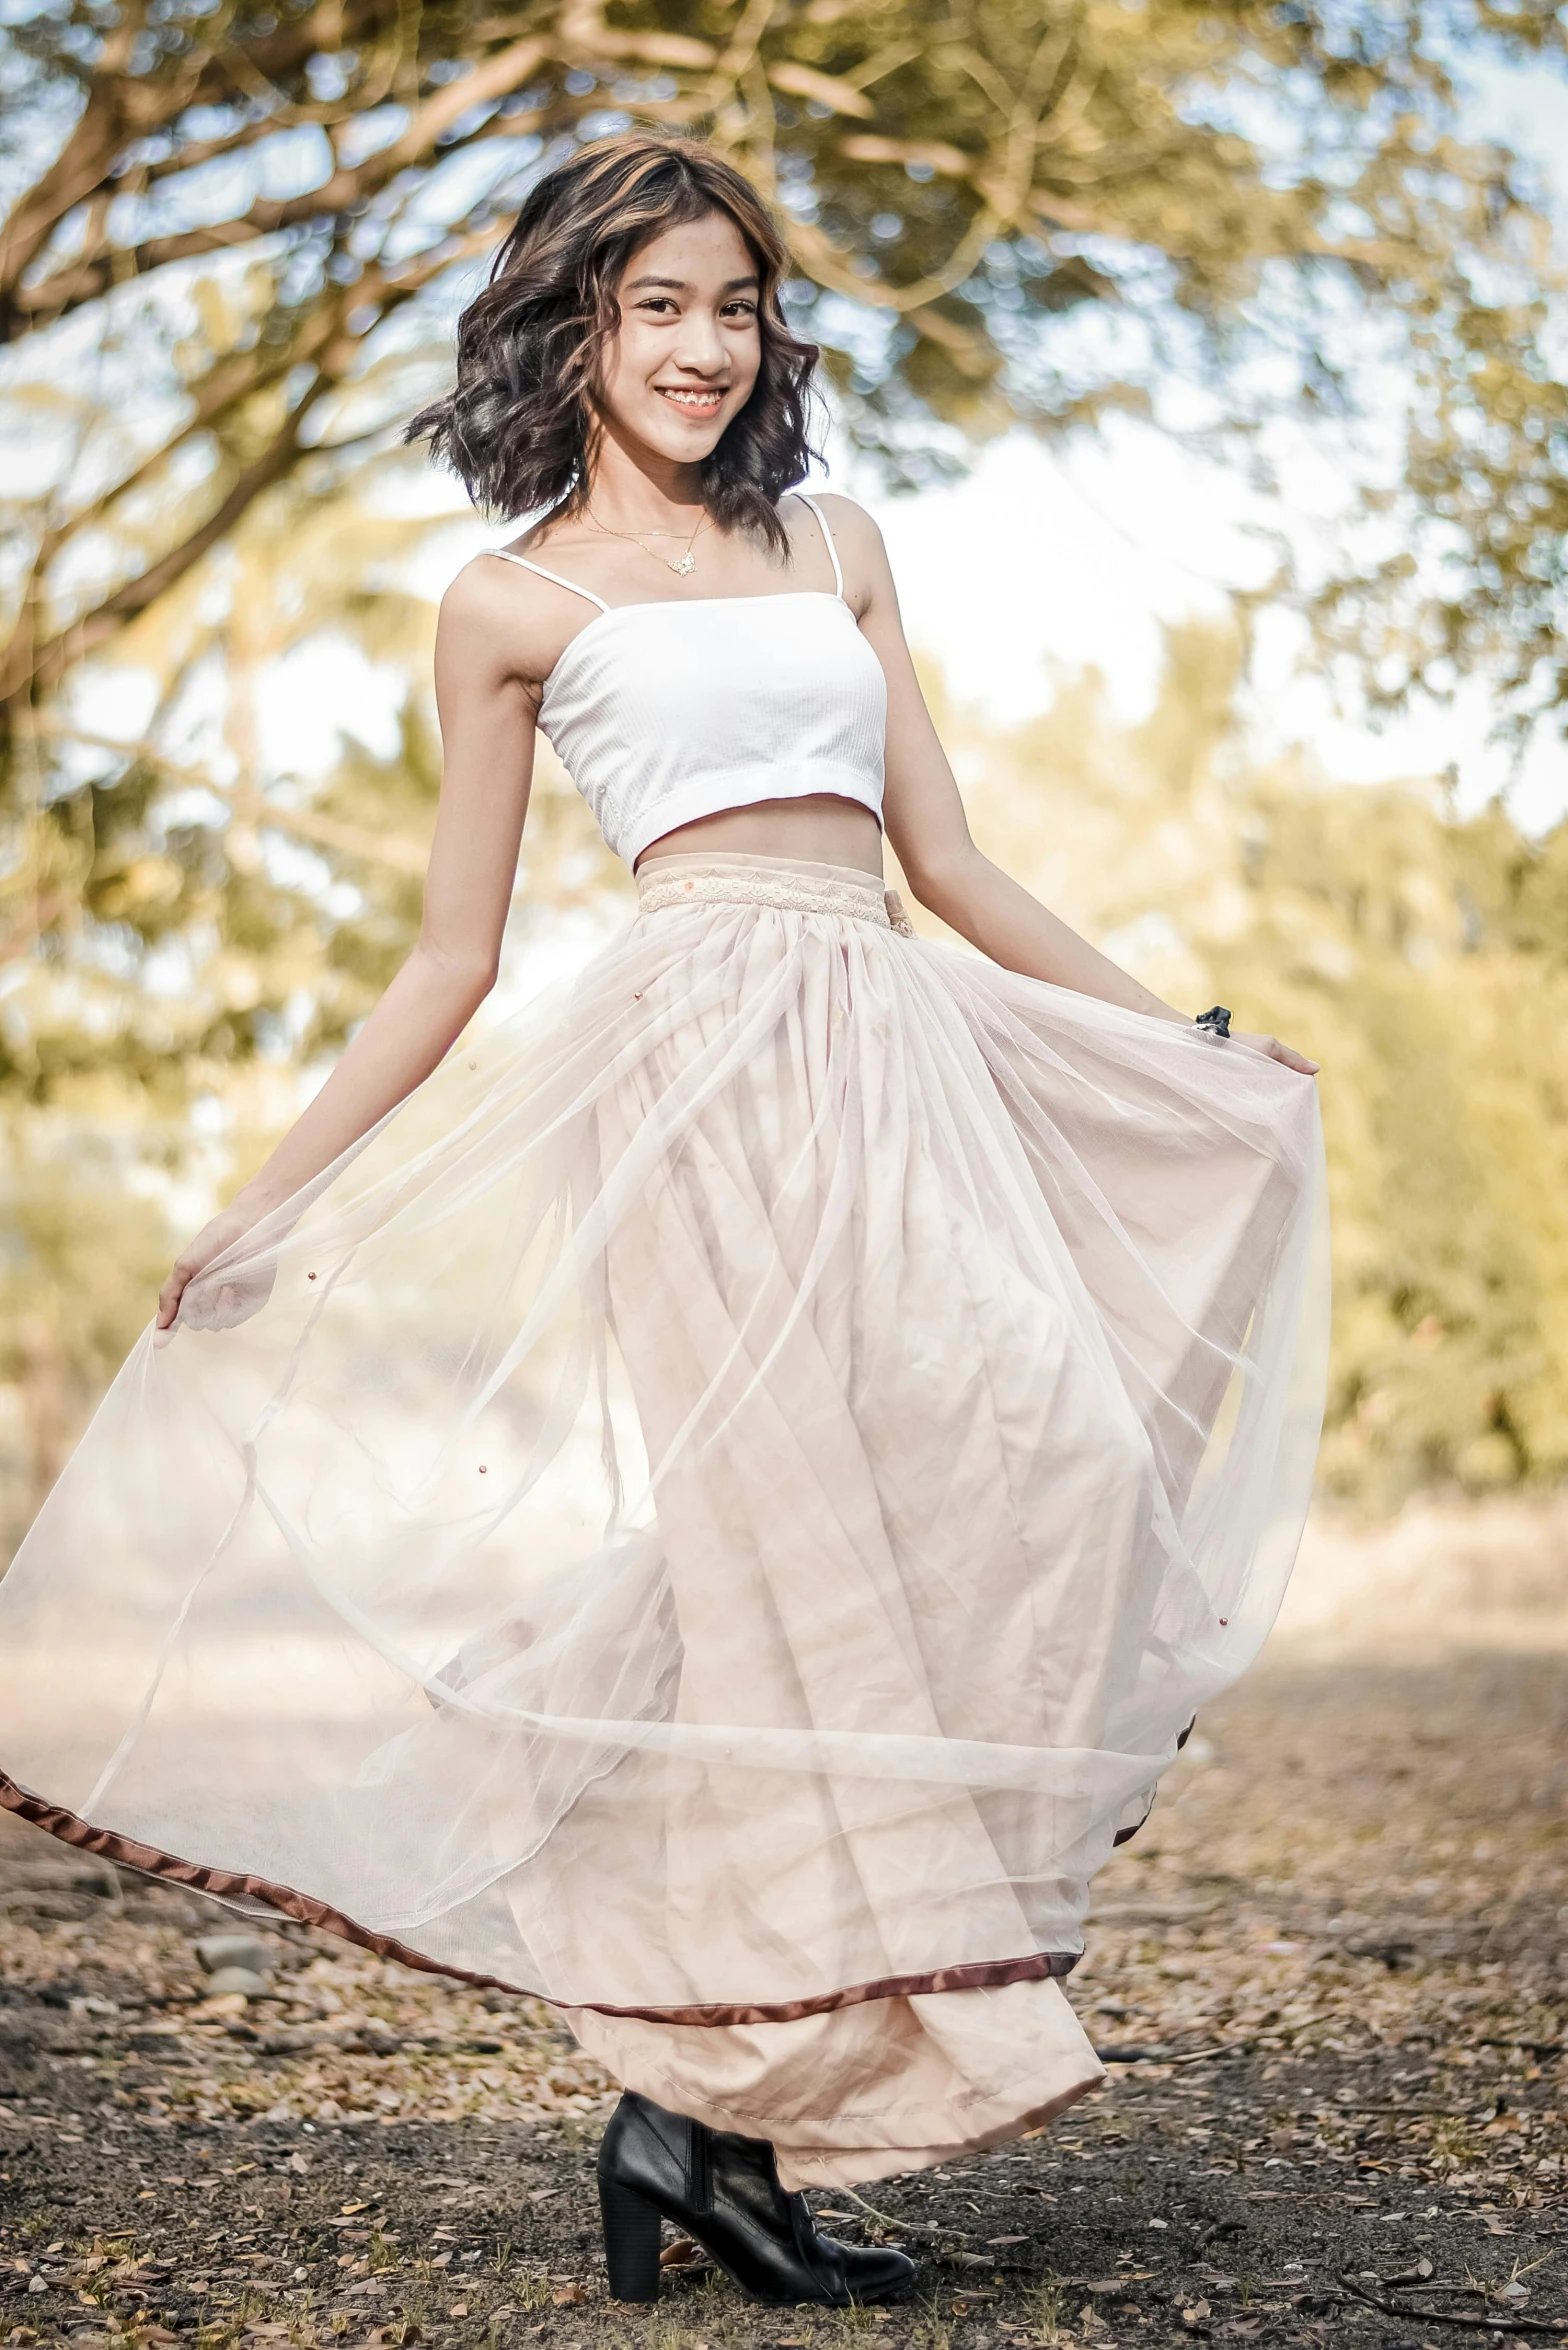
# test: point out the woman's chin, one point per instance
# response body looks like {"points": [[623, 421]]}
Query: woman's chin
{"points": [[685, 439]]}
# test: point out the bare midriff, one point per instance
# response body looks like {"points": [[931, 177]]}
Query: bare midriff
{"points": [[821, 828]]}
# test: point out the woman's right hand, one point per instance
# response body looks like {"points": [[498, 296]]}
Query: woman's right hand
{"points": [[233, 1296]]}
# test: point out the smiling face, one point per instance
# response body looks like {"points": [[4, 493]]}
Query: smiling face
{"points": [[684, 359]]}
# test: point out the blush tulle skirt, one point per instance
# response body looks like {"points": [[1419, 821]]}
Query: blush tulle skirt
{"points": [[718, 1512]]}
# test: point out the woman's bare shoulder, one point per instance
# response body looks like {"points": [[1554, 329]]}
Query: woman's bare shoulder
{"points": [[849, 522], [508, 616], [861, 553], [491, 588]]}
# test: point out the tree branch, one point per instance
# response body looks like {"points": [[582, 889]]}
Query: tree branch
{"points": [[84, 281], [252, 806], [123, 106], [218, 394], [81, 166], [29, 665]]}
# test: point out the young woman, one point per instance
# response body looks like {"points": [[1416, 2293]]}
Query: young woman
{"points": [[716, 1501]]}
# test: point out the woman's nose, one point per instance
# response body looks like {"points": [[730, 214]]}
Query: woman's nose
{"points": [[700, 346]]}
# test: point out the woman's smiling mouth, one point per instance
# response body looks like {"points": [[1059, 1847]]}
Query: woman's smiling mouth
{"points": [[693, 399]]}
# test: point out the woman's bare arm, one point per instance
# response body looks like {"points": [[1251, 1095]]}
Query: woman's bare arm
{"points": [[487, 711], [930, 834]]}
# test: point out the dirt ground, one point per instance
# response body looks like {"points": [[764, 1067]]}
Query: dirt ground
{"points": [[1331, 1980]]}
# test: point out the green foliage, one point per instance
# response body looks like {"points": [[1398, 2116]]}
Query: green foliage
{"points": [[236, 236], [196, 913], [83, 1247], [1424, 960]]}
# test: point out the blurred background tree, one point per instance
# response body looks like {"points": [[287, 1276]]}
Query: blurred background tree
{"points": [[1422, 957], [235, 237]]}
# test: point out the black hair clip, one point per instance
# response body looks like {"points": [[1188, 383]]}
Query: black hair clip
{"points": [[1216, 1020]]}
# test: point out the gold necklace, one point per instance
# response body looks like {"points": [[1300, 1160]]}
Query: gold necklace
{"points": [[683, 564]]}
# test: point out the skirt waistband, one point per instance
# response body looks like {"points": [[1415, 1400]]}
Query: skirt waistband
{"points": [[795, 884]]}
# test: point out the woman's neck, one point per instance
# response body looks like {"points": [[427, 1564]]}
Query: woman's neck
{"points": [[638, 491]]}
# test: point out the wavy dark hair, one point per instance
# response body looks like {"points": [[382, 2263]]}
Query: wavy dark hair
{"points": [[518, 426]]}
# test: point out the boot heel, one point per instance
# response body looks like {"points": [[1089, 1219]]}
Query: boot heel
{"points": [[631, 2242]]}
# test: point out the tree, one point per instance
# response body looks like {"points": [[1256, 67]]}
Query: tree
{"points": [[998, 208]]}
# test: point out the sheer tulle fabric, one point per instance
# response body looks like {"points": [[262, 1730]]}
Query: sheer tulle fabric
{"points": [[727, 1500]]}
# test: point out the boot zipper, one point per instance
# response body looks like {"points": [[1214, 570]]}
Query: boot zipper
{"points": [[699, 2174]]}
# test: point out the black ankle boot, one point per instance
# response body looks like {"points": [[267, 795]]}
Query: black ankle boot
{"points": [[723, 2191]]}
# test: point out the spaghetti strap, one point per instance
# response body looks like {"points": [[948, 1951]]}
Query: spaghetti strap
{"points": [[822, 521], [554, 577]]}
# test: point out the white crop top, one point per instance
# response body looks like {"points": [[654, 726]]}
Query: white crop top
{"points": [[667, 711]]}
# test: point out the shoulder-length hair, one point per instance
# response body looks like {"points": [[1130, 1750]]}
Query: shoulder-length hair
{"points": [[518, 426]]}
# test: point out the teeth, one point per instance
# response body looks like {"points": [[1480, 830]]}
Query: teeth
{"points": [[691, 399]]}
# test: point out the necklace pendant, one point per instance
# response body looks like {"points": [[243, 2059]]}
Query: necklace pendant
{"points": [[682, 563]]}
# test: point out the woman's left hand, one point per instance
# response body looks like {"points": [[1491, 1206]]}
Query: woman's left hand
{"points": [[201, 1300], [1273, 1050]]}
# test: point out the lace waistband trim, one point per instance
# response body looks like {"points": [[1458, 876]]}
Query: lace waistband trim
{"points": [[801, 893]]}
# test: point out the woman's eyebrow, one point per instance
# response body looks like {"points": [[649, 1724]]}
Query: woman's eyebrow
{"points": [[681, 285]]}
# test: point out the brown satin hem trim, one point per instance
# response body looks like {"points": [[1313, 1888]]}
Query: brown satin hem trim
{"points": [[986, 1974], [305, 1910]]}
